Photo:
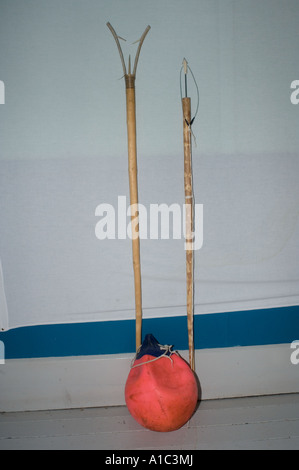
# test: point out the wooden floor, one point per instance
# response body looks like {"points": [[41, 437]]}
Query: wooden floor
{"points": [[268, 422]]}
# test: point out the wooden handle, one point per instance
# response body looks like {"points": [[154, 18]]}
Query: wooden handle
{"points": [[132, 155], [186, 103]]}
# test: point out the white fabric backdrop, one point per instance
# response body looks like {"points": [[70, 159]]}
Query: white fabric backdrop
{"points": [[56, 270]]}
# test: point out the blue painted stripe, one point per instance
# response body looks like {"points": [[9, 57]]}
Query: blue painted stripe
{"points": [[246, 328]]}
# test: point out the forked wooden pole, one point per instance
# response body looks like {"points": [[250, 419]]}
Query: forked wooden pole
{"points": [[186, 105], [132, 156]]}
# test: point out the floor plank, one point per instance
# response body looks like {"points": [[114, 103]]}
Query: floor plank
{"points": [[270, 422]]}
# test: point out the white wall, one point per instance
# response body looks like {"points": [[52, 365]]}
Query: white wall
{"points": [[52, 383]]}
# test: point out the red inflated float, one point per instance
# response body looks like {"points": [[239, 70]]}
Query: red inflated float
{"points": [[161, 390]]}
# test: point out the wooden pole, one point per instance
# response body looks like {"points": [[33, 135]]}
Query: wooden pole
{"points": [[132, 160], [186, 104], [132, 155]]}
